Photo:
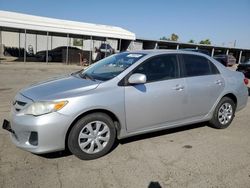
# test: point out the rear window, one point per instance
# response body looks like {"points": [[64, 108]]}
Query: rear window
{"points": [[195, 65]]}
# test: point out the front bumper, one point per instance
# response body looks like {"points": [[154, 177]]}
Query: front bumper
{"points": [[41, 134]]}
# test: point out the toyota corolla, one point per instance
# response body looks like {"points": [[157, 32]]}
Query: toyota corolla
{"points": [[123, 95]]}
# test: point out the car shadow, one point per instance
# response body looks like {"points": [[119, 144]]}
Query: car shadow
{"points": [[66, 153], [55, 155], [162, 132], [154, 184]]}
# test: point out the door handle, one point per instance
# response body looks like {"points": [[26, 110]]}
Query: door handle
{"points": [[178, 87], [218, 82]]}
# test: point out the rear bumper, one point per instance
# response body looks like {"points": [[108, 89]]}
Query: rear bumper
{"points": [[42, 134], [242, 99]]}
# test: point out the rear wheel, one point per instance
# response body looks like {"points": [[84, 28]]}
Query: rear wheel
{"points": [[92, 136], [223, 114]]}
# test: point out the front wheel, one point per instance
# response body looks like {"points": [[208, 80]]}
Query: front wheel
{"points": [[92, 136], [223, 114]]}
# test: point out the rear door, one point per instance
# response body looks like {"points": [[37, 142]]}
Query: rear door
{"points": [[204, 84]]}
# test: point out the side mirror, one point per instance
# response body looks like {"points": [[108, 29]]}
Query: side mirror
{"points": [[137, 79]]}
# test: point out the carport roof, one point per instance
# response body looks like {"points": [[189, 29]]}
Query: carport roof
{"points": [[37, 23], [192, 44]]}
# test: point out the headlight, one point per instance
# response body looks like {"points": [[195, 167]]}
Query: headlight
{"points": [[40, 108]]}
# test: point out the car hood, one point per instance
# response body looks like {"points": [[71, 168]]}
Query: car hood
{"points": [[59, 88]]}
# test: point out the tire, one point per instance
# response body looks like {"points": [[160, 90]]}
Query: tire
{"points": [[223, 114], [86, 144]]}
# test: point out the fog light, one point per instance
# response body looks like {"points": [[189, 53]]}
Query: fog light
{"points": [[33, 140]]}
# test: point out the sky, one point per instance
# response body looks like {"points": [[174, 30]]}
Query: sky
{"points": [[221, 21]]}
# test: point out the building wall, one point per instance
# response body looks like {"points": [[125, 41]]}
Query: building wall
{"points": [[113, 43], [58, 41], [39, 42], [134, 45], [10, 39]]}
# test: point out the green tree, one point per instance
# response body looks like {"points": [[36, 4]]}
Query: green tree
{"points": [[207, 41], [191, 41], [164, 38], [174, 37]]}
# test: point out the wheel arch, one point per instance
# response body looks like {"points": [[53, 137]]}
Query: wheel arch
{"points": [[233, 97], [109, 113]]}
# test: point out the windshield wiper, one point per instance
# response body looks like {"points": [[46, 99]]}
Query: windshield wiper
{"points": [[77, 72], [87, 76]]}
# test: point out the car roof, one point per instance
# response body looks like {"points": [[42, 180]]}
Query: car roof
{"points": [[204, 51], [163, 51]]}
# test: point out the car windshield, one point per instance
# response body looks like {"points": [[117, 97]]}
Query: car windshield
{"points": [[111, 66]]}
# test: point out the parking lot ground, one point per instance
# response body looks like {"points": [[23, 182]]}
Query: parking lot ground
{"points": [[193, 156]]}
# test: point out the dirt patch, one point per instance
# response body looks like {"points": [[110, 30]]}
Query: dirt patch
{"points": [[187, 146], [5, 89]]}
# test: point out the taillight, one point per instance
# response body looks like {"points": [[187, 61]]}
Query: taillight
{"points": [[246, 81]]}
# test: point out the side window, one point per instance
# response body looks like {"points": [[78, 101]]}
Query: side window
{"points": [[214, 68], [197, 66], [158, 68]]}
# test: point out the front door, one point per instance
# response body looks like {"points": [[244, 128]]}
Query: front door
{"points": [[160, 100]]}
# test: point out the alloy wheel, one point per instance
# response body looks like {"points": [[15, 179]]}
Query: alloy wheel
{"points": [[225, 113], [94, 137]]}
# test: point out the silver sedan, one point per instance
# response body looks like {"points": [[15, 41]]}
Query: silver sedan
{"points": [[123, 95]]}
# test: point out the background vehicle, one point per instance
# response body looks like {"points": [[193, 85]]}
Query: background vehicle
{"points": [[244, 68], [106, 48], [16, 52], [123, 95], [57, 54], [226, 60]]}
